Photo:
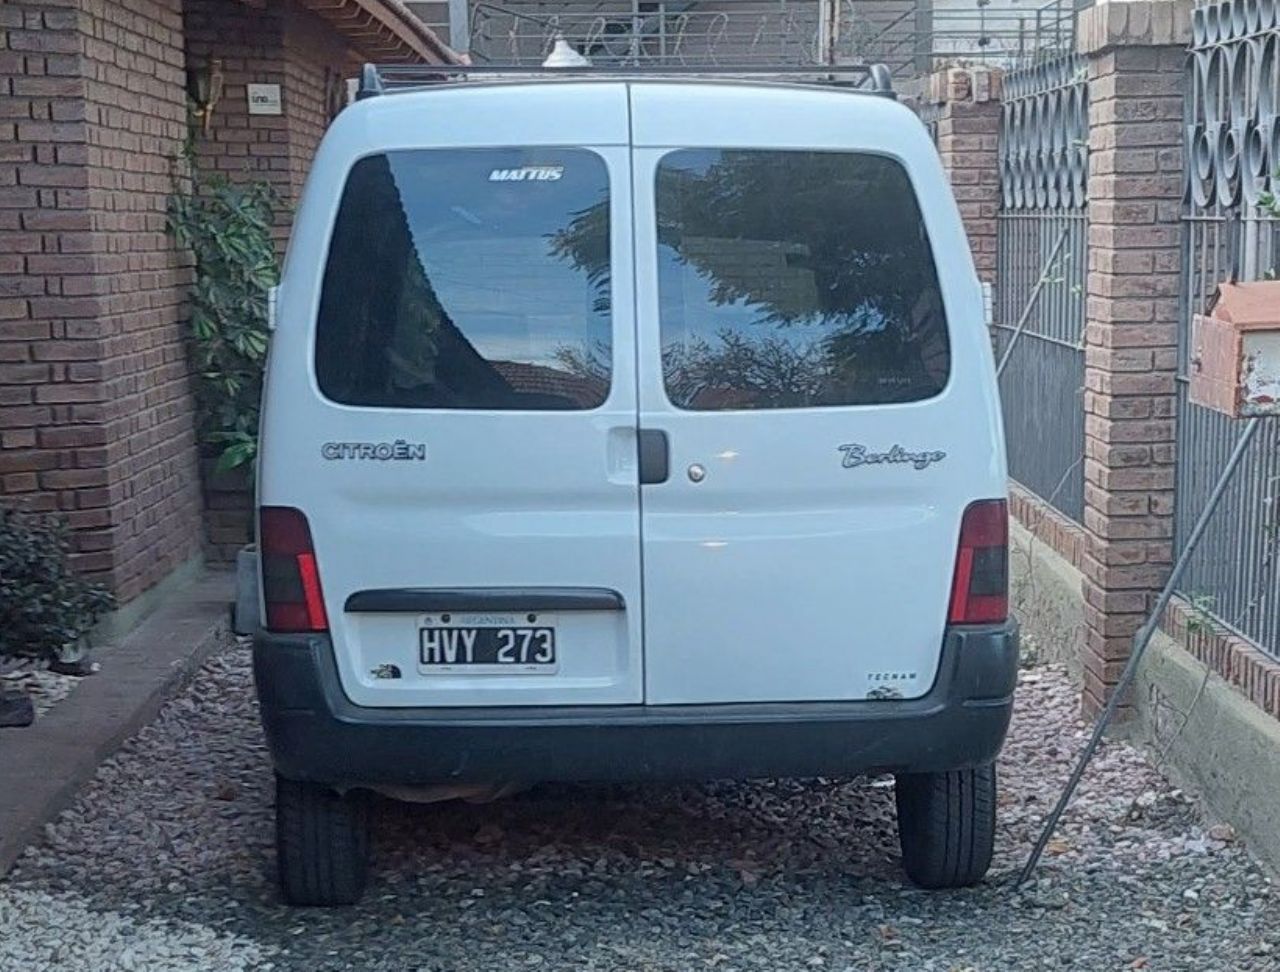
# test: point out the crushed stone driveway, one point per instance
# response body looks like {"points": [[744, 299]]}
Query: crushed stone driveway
{"points": [[166, 862]]}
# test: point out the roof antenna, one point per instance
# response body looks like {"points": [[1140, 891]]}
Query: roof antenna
{"points": [[564, 56], [370, 83]]}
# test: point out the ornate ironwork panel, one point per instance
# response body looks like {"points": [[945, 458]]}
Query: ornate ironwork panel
{"points": [[1042, 233], [1044, 143], [1231, 158]]}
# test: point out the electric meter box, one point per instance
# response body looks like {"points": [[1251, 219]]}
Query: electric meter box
{"points": [[1235, 351]]}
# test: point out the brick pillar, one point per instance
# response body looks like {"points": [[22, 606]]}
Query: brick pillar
{"points": [[968, 132], [1135, 54]]}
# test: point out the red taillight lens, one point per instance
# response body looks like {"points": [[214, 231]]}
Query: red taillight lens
{"points": [[980, 590], [290, 580]]}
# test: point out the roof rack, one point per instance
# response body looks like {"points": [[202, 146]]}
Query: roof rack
{"points": [[379, 79]]}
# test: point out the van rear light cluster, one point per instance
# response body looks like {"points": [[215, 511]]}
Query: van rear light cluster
{"points": [[980, 590], [290, 580]]}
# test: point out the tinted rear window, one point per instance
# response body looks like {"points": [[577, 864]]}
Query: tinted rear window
{"points": [[449, 282], [793, 279]]}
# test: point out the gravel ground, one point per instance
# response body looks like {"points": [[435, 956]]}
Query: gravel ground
{"points": [[165, 863]]}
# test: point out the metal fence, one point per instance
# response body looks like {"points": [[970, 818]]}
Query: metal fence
{"points": [[1042, 232], [1004, 33], [1232, 155], [907, 35], [688, 33]]}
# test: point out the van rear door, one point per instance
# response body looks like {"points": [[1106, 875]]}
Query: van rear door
{"points": [[811, 346], [452, 402]]}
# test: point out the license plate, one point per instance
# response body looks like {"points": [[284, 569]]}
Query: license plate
{"points": [[444, 646]]}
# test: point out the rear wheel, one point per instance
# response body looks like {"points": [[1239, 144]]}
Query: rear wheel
{"points": [[947, 825], [322, 843]]}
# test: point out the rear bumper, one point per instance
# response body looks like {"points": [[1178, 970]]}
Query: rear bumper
{"points": [[315, 733]]}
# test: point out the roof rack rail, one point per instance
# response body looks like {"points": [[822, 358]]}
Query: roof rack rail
{"points": [[379, 79]]}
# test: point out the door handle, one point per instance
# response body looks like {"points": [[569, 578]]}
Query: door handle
{"points": [[654, 455]]}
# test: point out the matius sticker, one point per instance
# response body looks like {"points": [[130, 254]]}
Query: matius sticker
{"points": [[528, 173]]}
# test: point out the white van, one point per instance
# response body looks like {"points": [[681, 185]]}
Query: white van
{"points": [[630, 428]]}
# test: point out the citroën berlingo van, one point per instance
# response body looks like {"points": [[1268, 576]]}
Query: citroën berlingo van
{"points": [[622, 426]]}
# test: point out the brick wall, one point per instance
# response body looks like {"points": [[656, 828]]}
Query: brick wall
{"points": [[97, 418], [278, 44], [248, 46], [1059, 533], [316, 64], [1237, 660], [136, 108], [43, 140]]}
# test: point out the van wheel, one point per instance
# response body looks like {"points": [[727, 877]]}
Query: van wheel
{"points": [[947, 825], [322, 843]]}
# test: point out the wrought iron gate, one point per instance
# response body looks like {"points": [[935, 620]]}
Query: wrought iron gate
{"points": [[1042, 231], [1232, 154]]}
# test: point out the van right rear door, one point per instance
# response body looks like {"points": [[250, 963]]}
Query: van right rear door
{"points": [[811, 347]]}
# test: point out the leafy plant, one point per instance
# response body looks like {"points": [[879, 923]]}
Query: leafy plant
{"points": [[227, 226], [1200, 613], [44, 607], [1269, 201]]}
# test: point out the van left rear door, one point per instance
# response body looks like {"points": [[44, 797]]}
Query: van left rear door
{"points": [[463, 437]]}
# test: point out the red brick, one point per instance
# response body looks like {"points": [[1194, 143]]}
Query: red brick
{"points": [[74, 478], [16, 483], [23, 374], [63, 394]]}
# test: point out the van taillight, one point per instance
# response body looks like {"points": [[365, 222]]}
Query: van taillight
{"points": [[980, 590], [290, 580]]}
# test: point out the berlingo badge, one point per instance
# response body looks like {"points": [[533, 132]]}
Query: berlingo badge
{"points": [[856, 454]]}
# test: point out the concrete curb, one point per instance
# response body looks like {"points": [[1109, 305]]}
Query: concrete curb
{"points": [[1220, 746], [1047, 598], [43, 767]]}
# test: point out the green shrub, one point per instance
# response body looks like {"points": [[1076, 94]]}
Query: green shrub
{"points": [[227, 228], [44, 607]]}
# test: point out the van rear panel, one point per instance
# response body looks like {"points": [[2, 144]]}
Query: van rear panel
{"points": [[492, 290]]}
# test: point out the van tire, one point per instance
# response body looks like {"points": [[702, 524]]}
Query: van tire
{"points": [[322, 843], [947, 825]]}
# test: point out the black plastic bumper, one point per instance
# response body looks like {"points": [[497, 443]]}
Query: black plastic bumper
{"points": [[315, 733]]}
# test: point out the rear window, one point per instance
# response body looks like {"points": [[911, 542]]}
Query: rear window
{"points": [[450, 282], [793, 279]]}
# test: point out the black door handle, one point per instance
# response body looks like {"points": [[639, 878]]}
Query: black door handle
{"points": [[654, 456]]}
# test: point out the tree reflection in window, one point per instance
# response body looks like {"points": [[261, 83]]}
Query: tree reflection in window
{"points": [[789, 279]]}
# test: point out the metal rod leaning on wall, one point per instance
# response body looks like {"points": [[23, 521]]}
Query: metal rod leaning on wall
{"points": [[1032, 300], [1140, 642]]}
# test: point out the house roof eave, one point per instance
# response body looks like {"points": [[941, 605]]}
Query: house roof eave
{"points": [[384, 30]]}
